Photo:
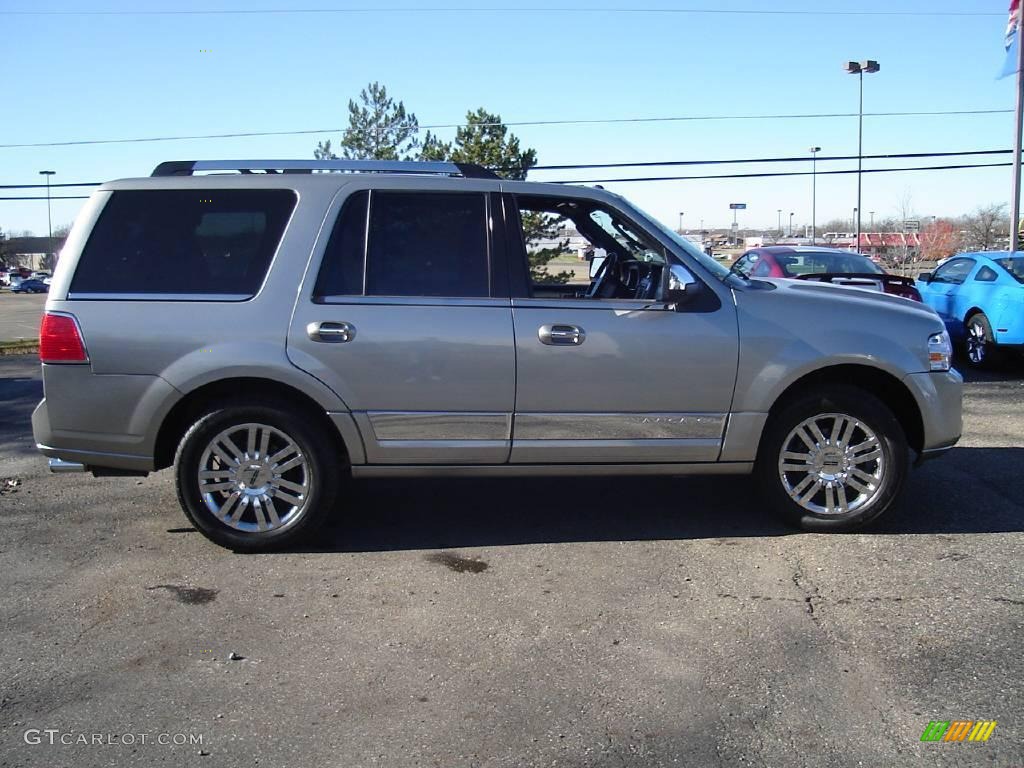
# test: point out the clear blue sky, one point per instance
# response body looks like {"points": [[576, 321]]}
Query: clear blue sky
{"points": [[73, 77]]}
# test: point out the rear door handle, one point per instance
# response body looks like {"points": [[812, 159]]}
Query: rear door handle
{"points": [[561, 335], [334, 333]]}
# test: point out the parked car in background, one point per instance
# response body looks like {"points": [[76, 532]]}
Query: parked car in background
{"points": [[827, 265], [14, 275], [30, 286], [980, 297]]}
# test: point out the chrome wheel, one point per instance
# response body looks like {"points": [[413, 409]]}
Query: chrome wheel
{"points": [[254, 478], [976, 343], [832, 464]]}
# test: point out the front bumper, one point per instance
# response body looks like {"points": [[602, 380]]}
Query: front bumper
{"points": [[939, 397]]}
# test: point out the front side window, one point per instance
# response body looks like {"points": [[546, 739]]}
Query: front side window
{"points": [[191, 242], [744, 265], [955, 271], [409, 244], [580, 249]]}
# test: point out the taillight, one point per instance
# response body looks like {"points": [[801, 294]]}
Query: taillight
{"points": [[60, 340]]}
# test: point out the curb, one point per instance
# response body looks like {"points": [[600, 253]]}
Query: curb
{"points": [[19, 347]]}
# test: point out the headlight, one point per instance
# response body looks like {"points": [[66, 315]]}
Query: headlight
{"points": [[940, 351]]}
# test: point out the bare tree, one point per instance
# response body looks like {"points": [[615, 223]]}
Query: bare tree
{"points": [[986, 228]]}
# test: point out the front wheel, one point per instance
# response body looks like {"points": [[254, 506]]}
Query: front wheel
{"points": [[980, 342], [256, 477], [832, 460]]}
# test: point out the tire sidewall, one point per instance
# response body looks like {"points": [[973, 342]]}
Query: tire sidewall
{"points": [[849, 401], [990, 353], [311, 442]]}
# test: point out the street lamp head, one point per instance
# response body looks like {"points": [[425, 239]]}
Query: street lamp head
{"points": [[814, 150], [870, 66], [47, 173], [852, 67]]}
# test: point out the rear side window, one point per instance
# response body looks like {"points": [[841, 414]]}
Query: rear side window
{"points": [[192, 242], [419, 244], [986, 275]]}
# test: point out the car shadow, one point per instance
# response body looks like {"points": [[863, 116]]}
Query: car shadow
{"points": [[969, 490], [1010, 367]]}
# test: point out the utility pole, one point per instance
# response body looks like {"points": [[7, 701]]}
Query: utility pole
{"points": [[1015, 201], [814, 193], [860, 68], [49, 217]]}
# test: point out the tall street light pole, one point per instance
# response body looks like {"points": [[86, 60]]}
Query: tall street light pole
{"points": [[860, 68], [780, 222], [49, 217], [790, 223], [681, 222], [872, 220], [814, 193]]}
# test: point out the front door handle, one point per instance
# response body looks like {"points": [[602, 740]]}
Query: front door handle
{"points": [[561, 335], [334, 333]]}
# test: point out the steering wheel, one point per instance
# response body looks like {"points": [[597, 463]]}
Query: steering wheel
{"points": [[605, 277]]}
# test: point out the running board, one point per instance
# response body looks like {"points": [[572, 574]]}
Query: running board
{"points": [[549, 470]]}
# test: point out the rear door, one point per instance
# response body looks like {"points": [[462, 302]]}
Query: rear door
{"points": [[405, 316]]}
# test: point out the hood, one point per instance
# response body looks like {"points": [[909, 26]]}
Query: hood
{"points": [[844, 296]]}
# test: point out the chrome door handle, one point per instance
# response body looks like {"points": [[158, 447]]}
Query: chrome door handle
{"points": [[335, 333], [561, 335]]}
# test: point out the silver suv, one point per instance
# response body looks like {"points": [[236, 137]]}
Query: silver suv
{"points": [[275, 330]]}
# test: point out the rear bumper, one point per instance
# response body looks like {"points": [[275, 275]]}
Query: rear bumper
{"points": [[939, 397], [70, 447]]}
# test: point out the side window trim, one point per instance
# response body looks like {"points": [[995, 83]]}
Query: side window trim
{"points": [[366, 237]]}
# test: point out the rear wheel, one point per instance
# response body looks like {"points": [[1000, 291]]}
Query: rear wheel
{"points": [[832, 460], [980, 343], [256, 477]]}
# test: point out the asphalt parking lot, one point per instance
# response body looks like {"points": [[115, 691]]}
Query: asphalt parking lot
{"points": [[592, 622], [19, 315]]}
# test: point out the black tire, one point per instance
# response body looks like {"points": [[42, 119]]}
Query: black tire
{"points": [[872, 415], [321, 468], [980, 348]]}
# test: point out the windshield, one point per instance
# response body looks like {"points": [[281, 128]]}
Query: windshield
{"points": [[821, 262], [1014, 265]]}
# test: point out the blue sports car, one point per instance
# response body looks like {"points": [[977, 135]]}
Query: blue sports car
{"points": [[980, 297]]}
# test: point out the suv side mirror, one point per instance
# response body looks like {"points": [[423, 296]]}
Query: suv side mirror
{"points": [[677, 284], [925, 277]]}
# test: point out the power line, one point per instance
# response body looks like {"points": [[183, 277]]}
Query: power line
{"points": [[52, 197], [779, 173], [520, 123], [740, 161], [504, 10], [52, 186], [756, 160], [686, 178]]}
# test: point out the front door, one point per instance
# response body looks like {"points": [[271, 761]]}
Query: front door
{"points": [[605, 372], [405, 323]]}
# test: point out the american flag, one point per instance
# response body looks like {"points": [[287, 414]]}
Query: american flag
{"points": [[1010, 66], [1011, 26]]}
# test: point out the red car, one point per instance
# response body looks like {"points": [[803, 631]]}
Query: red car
{"points": [[828, 265]]}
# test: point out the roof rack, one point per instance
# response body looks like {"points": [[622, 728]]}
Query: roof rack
{"points": [[188, 167]]}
